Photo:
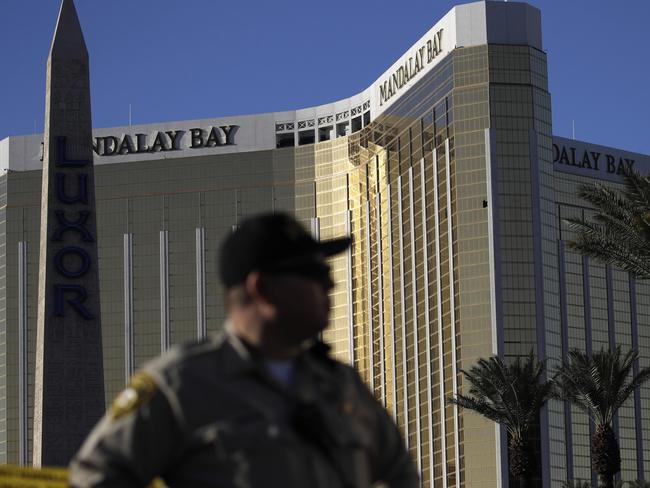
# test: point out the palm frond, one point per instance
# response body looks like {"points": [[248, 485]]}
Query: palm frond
{"points": [[619, 231], [481, 407], [637, 188], [509, 394], [598, 384], [609, 203], [573, 382], [627, 390], [614, 244]]}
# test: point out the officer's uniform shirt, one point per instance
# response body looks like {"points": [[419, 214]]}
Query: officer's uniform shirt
{"points": [[212, 415]]}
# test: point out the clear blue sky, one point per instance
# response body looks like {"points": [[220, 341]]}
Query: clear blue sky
{"points": [[176, 60]]}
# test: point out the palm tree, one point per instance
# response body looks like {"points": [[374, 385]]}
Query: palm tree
{"points": [[599, 385], [511, 395], [619, 234]]}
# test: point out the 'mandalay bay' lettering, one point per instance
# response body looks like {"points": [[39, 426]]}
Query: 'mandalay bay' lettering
{"points": [[163, 141], [591, 160], [411, 67]]}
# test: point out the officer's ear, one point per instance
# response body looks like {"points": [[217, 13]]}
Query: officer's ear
{"points": [[258, 288]]}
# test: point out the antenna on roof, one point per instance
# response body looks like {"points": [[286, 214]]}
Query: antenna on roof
{"points": [[129, 115], [573, 128]]}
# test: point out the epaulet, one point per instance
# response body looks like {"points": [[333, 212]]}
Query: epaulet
{"points": [[138, 394], [147, 381]]}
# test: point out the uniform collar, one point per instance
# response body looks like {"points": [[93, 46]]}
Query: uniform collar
{"points": [[238, 358], [243, 358]]}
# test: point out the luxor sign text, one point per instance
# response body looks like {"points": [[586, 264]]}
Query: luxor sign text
{"points": [[163, 141], [68, 168]]}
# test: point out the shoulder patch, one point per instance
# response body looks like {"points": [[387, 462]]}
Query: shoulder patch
{"points": [[139, 393]]}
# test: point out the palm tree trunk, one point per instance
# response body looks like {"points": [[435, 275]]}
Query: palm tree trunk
{"points": [[519, 461], [605, 454]]}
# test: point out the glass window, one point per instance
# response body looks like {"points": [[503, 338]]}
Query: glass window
{"points": [[285, 140]]}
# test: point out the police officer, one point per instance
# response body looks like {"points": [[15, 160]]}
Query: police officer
{"points": [[261, 404]]}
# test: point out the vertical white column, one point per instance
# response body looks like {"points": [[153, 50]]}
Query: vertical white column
{"points": [[452, 306], [129, 362], [416, 349], [491, 178], [348, 256], [315, 233], [23, 379], [441, 350], [389, 225], [403, 309], [164, 290], [427, 323], [492, 202], [371, 344], [380, 303], [315, 228], [201, 325]]}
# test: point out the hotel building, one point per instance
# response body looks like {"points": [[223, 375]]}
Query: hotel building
{"points": [[446, 174]]}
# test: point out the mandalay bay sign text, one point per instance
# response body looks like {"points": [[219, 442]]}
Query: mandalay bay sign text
{"points": [[410, 68], [594, 161], [163, 141]]}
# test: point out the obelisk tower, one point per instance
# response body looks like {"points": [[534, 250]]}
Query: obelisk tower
{"points": [[69, 397]]}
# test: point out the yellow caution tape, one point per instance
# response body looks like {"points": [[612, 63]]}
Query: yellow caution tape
{"points": [[21, 477], [25, 477]]}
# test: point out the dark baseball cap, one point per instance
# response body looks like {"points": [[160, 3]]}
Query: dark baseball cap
{"points": [[274, 243]]}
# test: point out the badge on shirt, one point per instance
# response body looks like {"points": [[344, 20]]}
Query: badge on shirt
{"points": [[138, 394]]}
